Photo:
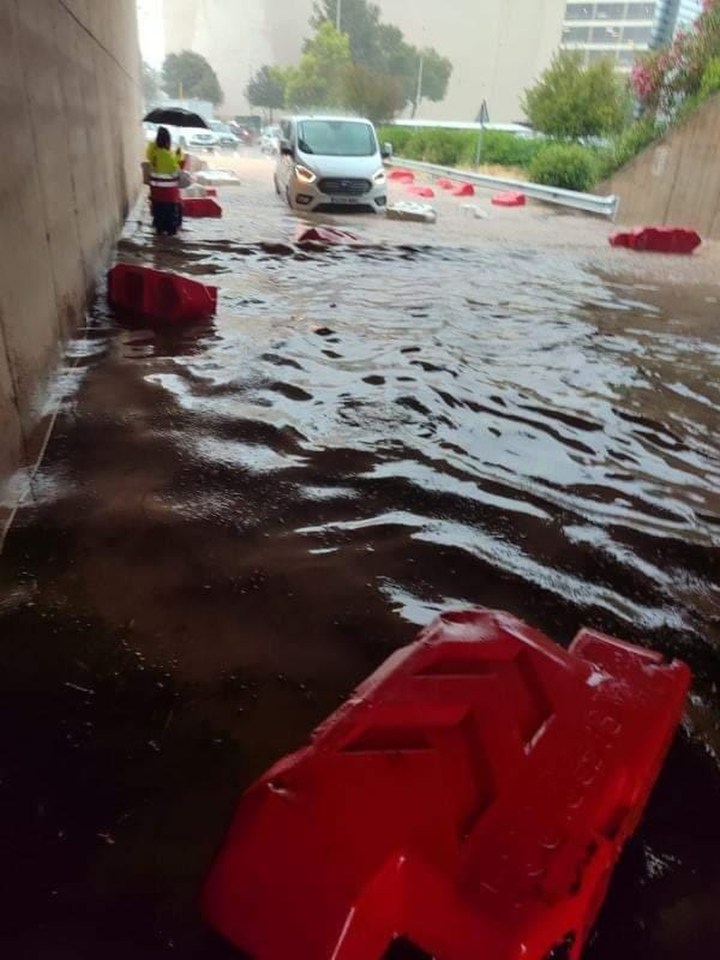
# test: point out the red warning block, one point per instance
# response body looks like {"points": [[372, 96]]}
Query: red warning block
{"points": [[658, 240], [464, 190], [201, 207], [446, 184], [472, 798], [427, 193], [326, 236], [144, 293], [403, 176], [509, 200]]}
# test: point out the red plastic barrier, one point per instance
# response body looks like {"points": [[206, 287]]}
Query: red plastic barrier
{"points": [[471, 797], [427, 193], [446, 184], [151, 294], [464, 190], [405, 176], [658, 240], [326, 235], [509, 200], [201, 207]]}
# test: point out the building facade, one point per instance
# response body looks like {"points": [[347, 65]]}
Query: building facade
{"points": [[688, 13], [619, 30], [498, 48]]}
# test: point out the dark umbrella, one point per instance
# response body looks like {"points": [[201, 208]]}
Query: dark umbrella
{"points": [[175, 117]]}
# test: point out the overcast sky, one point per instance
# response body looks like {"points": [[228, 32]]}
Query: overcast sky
{"points": [[152, 33]]}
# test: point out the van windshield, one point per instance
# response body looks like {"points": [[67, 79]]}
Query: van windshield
{"points": [[337, 138]]}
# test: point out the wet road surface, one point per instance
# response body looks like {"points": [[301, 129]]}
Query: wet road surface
{"points": [[235, 523]]}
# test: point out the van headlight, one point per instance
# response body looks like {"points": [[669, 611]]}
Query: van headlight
{"points": [[380, 178], [304, 175]]}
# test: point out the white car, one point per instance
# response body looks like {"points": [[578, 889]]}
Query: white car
{"points": [[194, 139], [226, 138], [270, 140], [330, 164]]}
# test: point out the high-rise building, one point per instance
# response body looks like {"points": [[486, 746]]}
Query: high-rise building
{"points": [[688, 13], [618, 31], [498, 47]]}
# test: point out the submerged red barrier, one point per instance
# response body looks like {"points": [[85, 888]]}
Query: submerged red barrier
{"points": [[141, 292], [406, 176], [201, 207], [326, 235], [509, 200], [472, 798], [464, 190], [446, 184], [658, 240], [426, 193]]}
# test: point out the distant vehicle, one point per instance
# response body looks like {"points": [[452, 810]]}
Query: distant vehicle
{"points": [[226, 138], [270, 140], [331, 163], [195, 138]]}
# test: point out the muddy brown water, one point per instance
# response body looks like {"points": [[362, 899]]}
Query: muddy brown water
{"points": [[236, 522]]}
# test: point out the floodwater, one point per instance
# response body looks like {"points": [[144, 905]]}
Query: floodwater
{"points": [[236, 522]]}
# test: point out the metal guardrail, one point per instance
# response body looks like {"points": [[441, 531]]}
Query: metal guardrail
{"points": [[589, 202]]}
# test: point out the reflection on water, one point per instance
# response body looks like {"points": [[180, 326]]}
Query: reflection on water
{"points": [[238, 521]]}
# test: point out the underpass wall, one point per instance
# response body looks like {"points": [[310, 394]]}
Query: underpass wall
{"points": [[676, 180], [69, 171]]}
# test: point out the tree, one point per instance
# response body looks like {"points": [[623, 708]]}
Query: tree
{"points": [[318, 80], [151, 85], [267, 88], [664, 79], [571, 101], [188, 75], [381, 49], [375, 96], [433, 77]]}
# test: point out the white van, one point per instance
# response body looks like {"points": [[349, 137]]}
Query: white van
{"points": [[330, 164]]}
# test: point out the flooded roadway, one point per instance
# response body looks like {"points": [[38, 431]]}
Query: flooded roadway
{"points": [[235, 523]]}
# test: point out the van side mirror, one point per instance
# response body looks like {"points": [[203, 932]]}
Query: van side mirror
{"points": [[286, 149], [387, 151]]}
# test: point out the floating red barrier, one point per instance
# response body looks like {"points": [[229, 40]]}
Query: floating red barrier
{"points": [[464, 190], [406, 176], [201, 207], [471, 798], [509, 200], [446, 184], [152, 294], [658, 240], [426, 193], [326, 235]]}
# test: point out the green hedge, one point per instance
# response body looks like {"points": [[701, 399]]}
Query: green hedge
{"points": [[458, 148], [558, 164], [567, 165]]}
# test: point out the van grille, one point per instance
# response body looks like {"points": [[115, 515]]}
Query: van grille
{"points": [[333, 186]]}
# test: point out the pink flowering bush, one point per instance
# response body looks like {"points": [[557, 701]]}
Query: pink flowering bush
{"points": [[663, 79]]}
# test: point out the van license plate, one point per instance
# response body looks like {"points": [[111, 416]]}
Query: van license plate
{"points": [[344, 200]]}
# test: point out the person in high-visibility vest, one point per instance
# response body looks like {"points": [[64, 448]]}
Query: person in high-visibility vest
{"points": [[165, 199]]}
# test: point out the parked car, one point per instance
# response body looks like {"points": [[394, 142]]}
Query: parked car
{"points": [[226, 138], [330, 163], [270, 140], [195, 139]]}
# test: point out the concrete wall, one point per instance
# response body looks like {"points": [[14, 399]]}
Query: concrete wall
{"points": [[498, 47], [69, 102], [677, 180]]}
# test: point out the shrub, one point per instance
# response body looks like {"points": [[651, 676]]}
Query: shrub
{"points": [[711, 78], [459, 147], [566, 165], [627, 146]]}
